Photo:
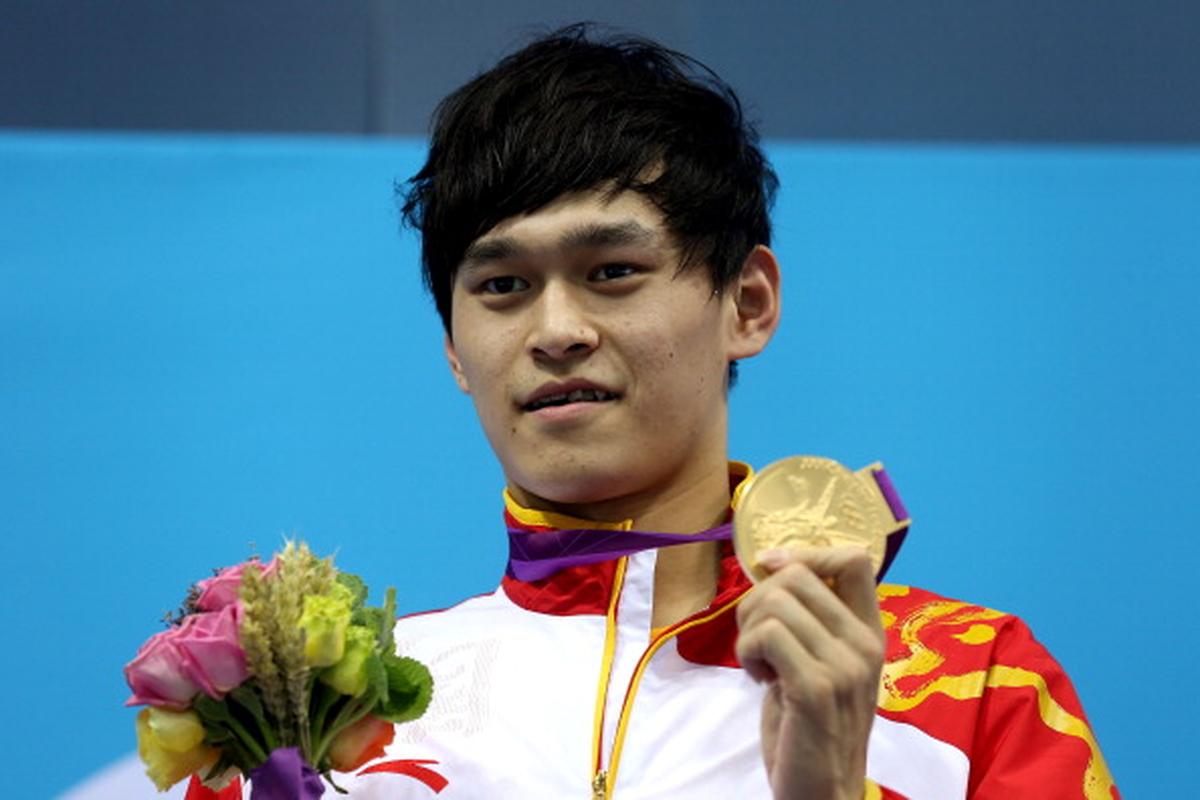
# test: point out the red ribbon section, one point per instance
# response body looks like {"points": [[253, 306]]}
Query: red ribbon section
{"points": [[411, 767], [198, 791]]}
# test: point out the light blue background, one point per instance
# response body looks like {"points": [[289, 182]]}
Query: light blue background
{"points": [[207, 343]]}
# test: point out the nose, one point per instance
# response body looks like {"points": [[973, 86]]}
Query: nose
{"points": [[561, 326]]}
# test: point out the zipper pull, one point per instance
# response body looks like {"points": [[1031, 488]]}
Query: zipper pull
{"points": [[599, 786]]}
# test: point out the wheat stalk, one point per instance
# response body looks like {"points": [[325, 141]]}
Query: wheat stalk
{"points": [[256, 642], [274, 641]]}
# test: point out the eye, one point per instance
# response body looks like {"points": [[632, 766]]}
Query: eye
{"points": [[610, 272], [503, 284]]}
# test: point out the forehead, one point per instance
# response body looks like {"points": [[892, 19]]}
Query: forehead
{"points": [[577, 221]]}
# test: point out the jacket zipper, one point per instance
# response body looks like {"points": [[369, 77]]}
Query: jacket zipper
{"points": [[599, 776], [599, 786], [605, 778]]}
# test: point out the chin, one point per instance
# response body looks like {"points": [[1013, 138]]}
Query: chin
{"points": [[573, 484]]}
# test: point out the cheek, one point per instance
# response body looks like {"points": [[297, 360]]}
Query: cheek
{"points": [[483, 361], [683, 365], [696, 344]]}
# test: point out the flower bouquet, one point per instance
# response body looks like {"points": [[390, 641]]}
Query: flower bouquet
{"points": [[279, 673]]}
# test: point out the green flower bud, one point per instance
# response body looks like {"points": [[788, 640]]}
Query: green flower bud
{"points": [[349, 676]]}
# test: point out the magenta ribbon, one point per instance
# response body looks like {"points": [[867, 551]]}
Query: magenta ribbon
{"points": [[536, 555], [285, 776]]}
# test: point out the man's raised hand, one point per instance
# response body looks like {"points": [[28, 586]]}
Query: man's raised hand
{"points": [[812, 630]]}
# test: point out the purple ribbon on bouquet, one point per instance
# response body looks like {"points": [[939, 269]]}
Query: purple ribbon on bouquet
{"points": [[285, 776]]}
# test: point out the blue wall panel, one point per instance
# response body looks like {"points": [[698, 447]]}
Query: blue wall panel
{"points": [[207, 343]]}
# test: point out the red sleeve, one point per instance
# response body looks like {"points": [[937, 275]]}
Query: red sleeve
{"points": [[1031, 737]]}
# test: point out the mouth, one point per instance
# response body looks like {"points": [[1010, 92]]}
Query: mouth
{"points": [[563, 397]]}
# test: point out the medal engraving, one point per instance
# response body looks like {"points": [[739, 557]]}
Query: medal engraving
{"points": [[809, 502]]}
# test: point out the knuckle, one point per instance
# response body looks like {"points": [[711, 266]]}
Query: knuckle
{"points": [[796, 576], [876, 651], [786, 575], [873, 653], [742, 649], [772, 628], [774, 601], [859, 559], [822, 688], [853, 678], [746, 646]]}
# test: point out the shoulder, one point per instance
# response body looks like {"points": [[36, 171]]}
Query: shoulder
{"points": [[477, 610], [918, 618], [928, 633], [953, 648], [977, 678]]}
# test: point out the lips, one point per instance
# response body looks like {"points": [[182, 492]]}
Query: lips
{"points": [[561, 394]]}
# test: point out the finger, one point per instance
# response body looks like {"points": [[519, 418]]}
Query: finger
{"points": [[804, 588], [849, 567], [770, 650], [831, 642], [844, 679]]}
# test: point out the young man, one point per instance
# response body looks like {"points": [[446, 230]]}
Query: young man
{"points": [[596, 237]]}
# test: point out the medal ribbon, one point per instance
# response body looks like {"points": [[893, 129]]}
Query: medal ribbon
{"points": [[533, 556], [536, 555]]}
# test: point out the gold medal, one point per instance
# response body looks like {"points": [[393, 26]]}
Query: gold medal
{"points": [[810, 502]]}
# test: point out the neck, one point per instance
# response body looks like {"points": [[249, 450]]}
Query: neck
{"points": [[685, 576], [688, 505]]}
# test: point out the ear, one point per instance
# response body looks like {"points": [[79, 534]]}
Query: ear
{"points": [[455, 365], [754, 298]]}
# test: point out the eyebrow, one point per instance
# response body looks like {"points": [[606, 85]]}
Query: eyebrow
{"points": [[591, 236]]}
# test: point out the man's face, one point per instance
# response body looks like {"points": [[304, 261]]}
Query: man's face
{"points": [[597, 368]]}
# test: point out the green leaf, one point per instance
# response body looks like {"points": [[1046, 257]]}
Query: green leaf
{"points": [[410, 688], [232, 750], [357, 588], [245, 696], [387, 642], [212, 712], [221, 724], [368, 617], [377, 680]]}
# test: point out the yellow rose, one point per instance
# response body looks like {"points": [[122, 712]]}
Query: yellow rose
{"points": [[324, 621], [349, 676], [170, 744]]}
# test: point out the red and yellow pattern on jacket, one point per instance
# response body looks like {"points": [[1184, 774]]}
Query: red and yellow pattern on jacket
{"points": [[977, 679]]}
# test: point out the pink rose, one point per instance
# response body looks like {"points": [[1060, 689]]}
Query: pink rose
{"points": [[158, 674], [222, 589], [213, 650], [200, 654]]}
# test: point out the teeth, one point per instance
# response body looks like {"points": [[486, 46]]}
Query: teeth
{"points": [[576, 396]]}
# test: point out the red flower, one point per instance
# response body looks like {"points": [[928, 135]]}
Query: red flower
{"points": [[361, 742]]}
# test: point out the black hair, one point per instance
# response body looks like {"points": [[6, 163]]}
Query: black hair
{"points": [[574, 111]]}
